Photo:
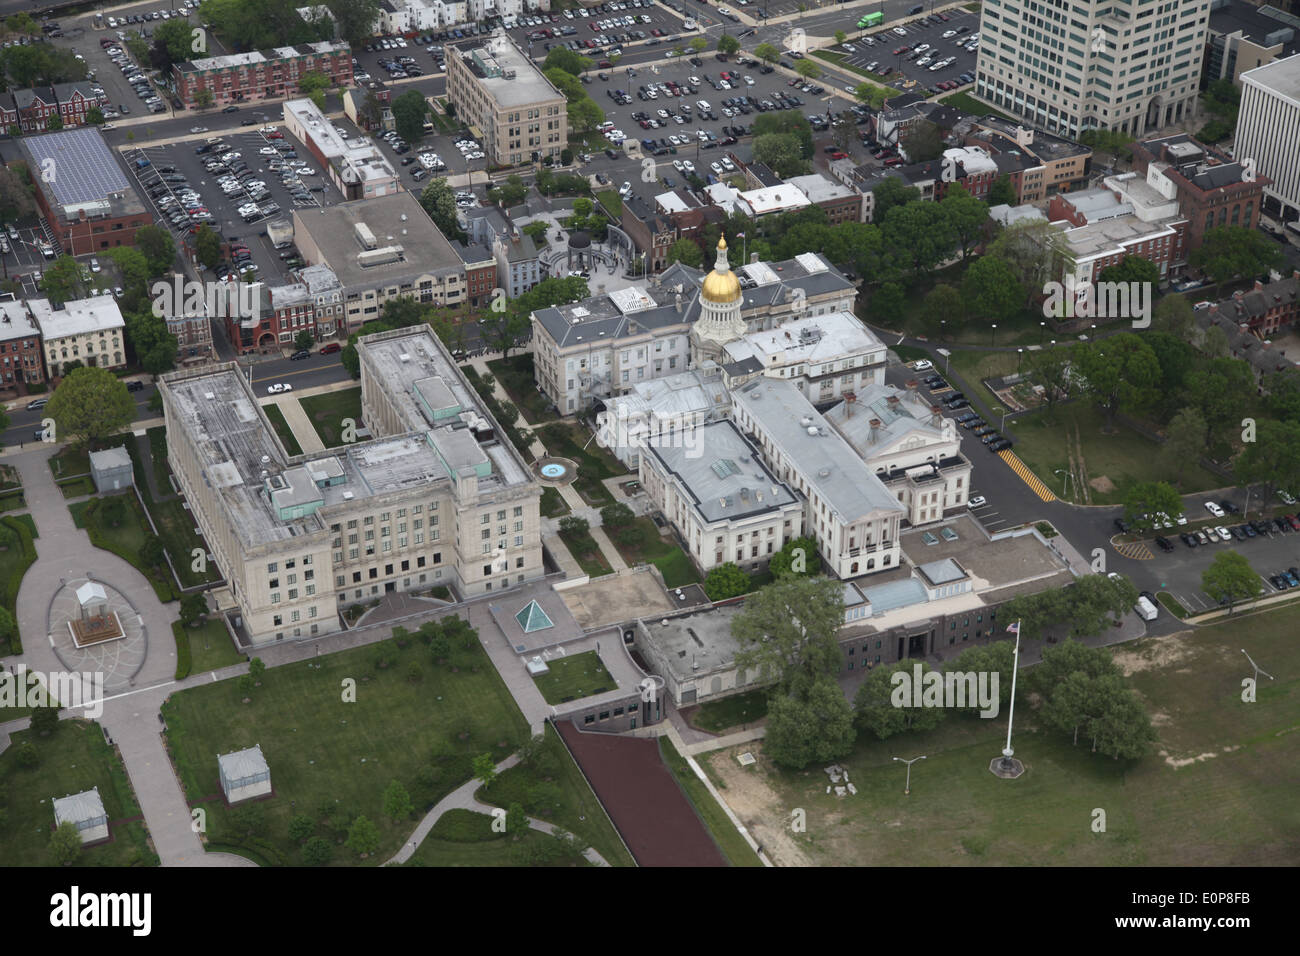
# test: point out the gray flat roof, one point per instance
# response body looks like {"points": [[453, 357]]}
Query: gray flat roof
{"points": [[85, 171], [79, 807], [1280, 76], [825, 459], [505, 71], [728, 480], [703, 639]]}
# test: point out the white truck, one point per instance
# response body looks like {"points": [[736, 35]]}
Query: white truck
{"points": [[280, 232], [1146, 609]]}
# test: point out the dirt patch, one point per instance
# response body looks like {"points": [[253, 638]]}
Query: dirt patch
{"points": [[1154, 653], [1101, 484], [756, 804], [614, 598]]}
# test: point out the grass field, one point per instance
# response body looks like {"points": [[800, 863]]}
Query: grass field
{"points": [[553, 504], [70, 461], [329, 411], [974, 367], [334, 758], [515, 375], [671, 561], [967, 103], [717, 716], [1123, 457], [588, 555], [582, 675], [158, 457], [72, 759], [125, 540], [176, 528], [210, 645], [724, 832], [29, 521], [77, 488], [1218, 788], [282, 429], [466, 838], [595, 464], [556, 791]]}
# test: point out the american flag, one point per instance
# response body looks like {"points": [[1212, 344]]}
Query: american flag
{"points": [[740, 235], [1014, 628]]}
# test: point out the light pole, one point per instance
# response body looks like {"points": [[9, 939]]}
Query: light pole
{"points": [[1042, 332], [947, 356], [1020, 354], [999, 408], [995, 335], [1065, 482], [907, 787]]}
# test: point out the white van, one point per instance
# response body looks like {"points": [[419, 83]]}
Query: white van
{"points": [[1146, 609]]}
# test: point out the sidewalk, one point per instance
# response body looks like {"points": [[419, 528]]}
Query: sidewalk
{"points": [[298, 422]]}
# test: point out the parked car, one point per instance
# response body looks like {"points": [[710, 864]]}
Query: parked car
{"points": [[299, 355], [976, 502], [331, 348], [279, 387]]}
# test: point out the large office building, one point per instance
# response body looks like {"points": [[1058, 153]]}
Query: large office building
{"points": [[261, 74], [495, 86], [438, 498], [82, 191], [1268, 129], [378, 249], [355, 166], [1127, 65]]}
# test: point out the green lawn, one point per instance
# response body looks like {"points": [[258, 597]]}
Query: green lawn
{"points": [[13, 502], [77, 488], [333, 758], [28, 521], [158, 457], [72, 759], [209, 646], [974, 367], [328, 412], [70, 461], [909, 353], [515, 375], [282, 429], [125, 540], [582, 675], [612, 201], [18, 555], [587, 553], [663, 553], [595, 464], [1123, 457], [1217, 789], [553, 504], [176, 528], [717, 716], [465, 838], [553, 789], [724, 832], [967, 103]]}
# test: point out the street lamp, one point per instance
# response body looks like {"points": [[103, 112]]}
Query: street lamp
{"points": [[1020, 354], [995, 334], [1042, 332], [999, 408], [907, 788], [1065, 481]]}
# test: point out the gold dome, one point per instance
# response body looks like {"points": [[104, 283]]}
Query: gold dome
{"points": [[721, 285]]}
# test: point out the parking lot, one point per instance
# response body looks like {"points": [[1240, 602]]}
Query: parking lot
{"points": [[227, 197], [876, 52]]}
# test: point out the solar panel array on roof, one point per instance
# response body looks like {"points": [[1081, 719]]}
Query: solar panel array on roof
{"points": [[83, 167]]}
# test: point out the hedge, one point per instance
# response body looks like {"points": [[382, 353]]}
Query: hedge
{"points": [[183, 657], [16, 575]]}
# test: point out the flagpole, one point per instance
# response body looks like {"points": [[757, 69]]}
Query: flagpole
{"points": [[1011, 715]]}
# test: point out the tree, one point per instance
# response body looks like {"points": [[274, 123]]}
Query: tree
{"points": [[438, 200], [54, 123], [728, 44], [890, 193], [16, 201], [698, 44], [870, 94], [1123, 728], [920, 235], [355, 19], [923, 142], [991, 289], [503, 330], [1146, 499], [172, 43], [1068, 657], [158, 248], [256, 668], [194, 608], [1173, 314], [409, 112], [301, 827], [725, 581], [887, 302], [65, 843], [363, 837], [1184, 443], [152, 552], [967, 216], [207, 246], [516, 819], [485, 769], [574, 526], [90, 404], [810, 728], [204, 98], [27, 756], [1050, 368], [1230, 251], [687, 252], [317, 851], [64, 279], [1132, 269], [1222, 390], [1002, 192], [249, 820], [791, 123], [1273, 458], [767, 53], [246, 685], [874, 708], [151, 341], [1030, 248], [566, 60], [1117, 371], [45, 720], [313, 86], [797, 556], [780, 152], [616, 515], [808, 69], [304, 340], [788, 630], [397, 802]]}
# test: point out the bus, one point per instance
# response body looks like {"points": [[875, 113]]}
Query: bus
{"points": [[871, 20]]}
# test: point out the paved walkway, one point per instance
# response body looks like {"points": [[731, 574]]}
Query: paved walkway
{"points": [[462, 798], [299, 423]]}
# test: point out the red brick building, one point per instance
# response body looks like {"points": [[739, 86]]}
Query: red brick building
{"points": [[21, 358], [480, 272], [264, 74]]}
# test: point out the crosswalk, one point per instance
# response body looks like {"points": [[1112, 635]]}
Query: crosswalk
{"points": [[1028, 477], [1136, 550]]}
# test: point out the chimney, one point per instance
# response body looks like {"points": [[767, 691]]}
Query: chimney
{"points": [[1258, 285], [936, 416], [912, 385], [850, 399], [875, 431], [677, 301]]}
